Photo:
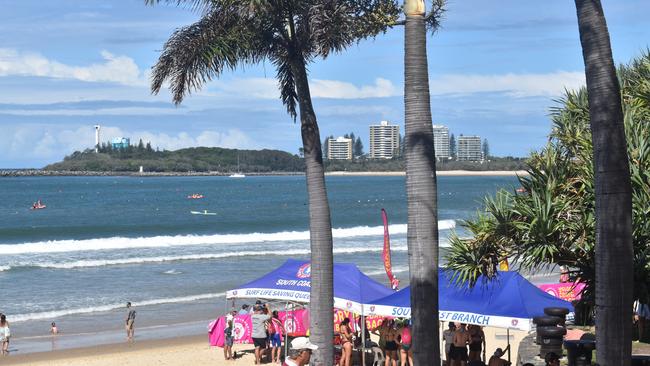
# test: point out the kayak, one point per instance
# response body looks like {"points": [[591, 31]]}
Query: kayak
{"points": [[204, 212], [38, 207]]}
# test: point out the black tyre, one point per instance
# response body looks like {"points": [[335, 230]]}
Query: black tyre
{"points": [[544, 350], [551, 341], [551, 332], [547, 320], [561, 312]]}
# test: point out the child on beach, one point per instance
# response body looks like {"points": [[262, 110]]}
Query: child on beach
{"points": [[229, 340], [54, 329], [130, 320], [5, 334]]}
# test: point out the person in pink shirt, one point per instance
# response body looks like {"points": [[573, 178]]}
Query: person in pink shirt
{"points": [[406, 352], [276, 330]]}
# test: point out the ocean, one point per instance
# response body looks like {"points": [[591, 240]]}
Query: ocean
{"points": [[103, 241]]}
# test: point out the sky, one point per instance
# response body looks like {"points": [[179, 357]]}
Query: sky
{"points": [[495, 68]]}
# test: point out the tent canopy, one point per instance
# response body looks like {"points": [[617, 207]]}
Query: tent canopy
{"points": [[292, 282], [507, 301]]}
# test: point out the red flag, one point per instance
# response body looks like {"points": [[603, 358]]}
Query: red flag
{"points": [[394, 282]]}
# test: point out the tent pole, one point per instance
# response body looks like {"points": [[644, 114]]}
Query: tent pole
{"points": [[363, 339], [508, 337], [286, 334]]}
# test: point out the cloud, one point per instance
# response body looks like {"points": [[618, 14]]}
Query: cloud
{"points": [[516, 85], [334, 89], [267, 88], [115, 69], [36, 142]]}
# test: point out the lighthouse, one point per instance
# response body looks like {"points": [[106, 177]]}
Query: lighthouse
{"points": [[97, 128]]}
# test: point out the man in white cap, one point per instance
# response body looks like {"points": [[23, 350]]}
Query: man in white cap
{"points": [[300, 352]]}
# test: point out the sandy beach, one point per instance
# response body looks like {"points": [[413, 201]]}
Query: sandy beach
{"points": [[190, 351], [441, 173]]}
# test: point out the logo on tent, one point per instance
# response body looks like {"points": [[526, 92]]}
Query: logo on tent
{"points": [[348, 304], [514, 322], [372, 309], [304, 271]]}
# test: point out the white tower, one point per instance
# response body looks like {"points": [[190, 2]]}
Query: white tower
{"points": [[97, 128]]}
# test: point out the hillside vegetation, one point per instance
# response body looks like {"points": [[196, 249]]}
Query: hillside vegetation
{"points": [[215, 159], [199, 159]]}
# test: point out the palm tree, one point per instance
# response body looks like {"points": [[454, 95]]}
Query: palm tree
{"points": [[614, 252], [422, 232], [290, 34]]}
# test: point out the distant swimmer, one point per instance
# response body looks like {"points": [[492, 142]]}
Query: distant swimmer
{"points": [[54, 329], [38, 205]]}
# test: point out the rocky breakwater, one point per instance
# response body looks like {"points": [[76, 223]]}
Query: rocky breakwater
{"points": [[74, 173]]}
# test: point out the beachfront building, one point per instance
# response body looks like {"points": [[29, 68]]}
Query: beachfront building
{"points": [[469, 148], [339, 149], [441, 142], [384, 141], [120, 143]]}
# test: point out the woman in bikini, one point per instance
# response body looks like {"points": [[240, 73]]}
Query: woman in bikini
{"points": [[391, 346], [406, 352], [346, 343], [477, 340]]}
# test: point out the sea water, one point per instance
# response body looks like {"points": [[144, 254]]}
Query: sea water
{"points": [[103, 241]]}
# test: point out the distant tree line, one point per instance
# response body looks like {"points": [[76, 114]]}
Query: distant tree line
{"points": [[205, 159]]}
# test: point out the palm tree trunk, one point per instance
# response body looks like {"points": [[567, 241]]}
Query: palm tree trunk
{"points": [[320, 226], [614, 251], [422, 233]]}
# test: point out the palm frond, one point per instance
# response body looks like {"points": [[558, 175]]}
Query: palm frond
{"points": [[433, 19], [197, 53]]}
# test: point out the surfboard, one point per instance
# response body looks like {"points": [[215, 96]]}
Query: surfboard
{"points": [[203, 213]]}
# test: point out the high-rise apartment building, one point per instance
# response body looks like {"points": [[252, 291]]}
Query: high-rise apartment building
{"points": [[339, 149], [384, 140], [469, 148], [441, 142]]}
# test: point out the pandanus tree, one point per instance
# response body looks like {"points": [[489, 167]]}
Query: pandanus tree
{"points": [[614, 251], [552, 219], [289, 34], [421, 189]]}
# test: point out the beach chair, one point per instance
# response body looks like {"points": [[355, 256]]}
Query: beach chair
{"points": [[378, 357]]}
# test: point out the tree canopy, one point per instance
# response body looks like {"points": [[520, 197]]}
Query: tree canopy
{"points": [[550, 221]]}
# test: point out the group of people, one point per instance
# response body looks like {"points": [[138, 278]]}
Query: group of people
{"points": [[464, 345], [395, 341], [267, 332]]}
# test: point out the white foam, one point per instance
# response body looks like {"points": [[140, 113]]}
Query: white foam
{"points": [[5, 268], [143, 260], [57, 246], [172, 272], [108, 307], [383, 271]]}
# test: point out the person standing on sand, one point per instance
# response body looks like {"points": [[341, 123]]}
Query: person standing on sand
{"points": [[276, 330], [448, 336], [228, 341], [130, 322], [5, 334], [461, 340], [477, 342], [258, 319], [347, 342], [390, 341], [406, 352], [300, 352], [641, 316]]}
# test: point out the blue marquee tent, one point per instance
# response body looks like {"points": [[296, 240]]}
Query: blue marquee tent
{"points": [[508, 301], [292, 282]]}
